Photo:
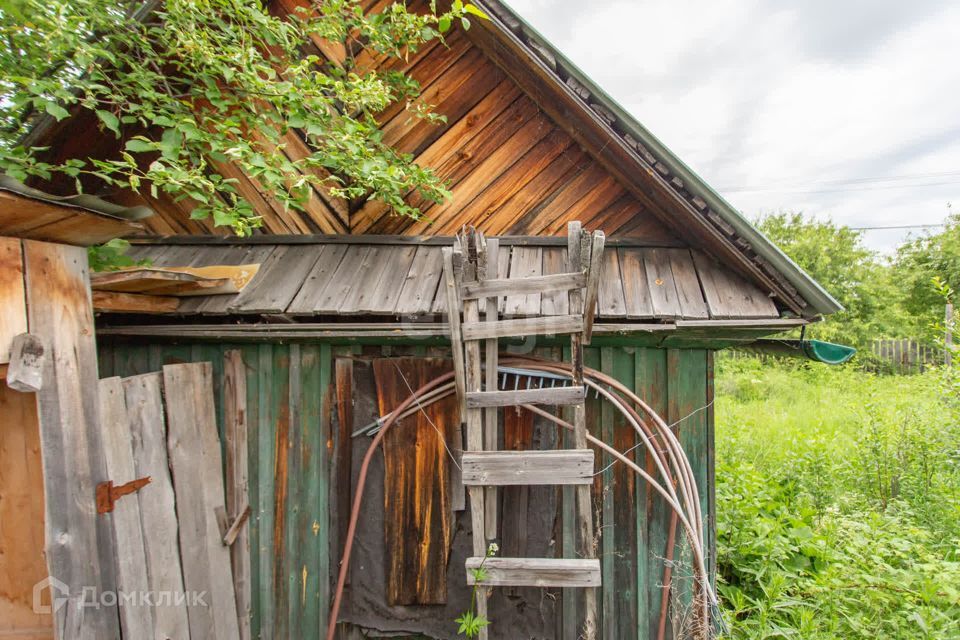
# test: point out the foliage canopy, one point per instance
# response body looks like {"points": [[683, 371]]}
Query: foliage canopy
{"points": [[187, 85]]}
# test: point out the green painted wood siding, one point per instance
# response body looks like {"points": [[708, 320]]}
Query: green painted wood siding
{"points": [[289, 404]]}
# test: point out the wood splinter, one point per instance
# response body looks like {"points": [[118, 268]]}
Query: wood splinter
{"points": [[229, 532], [108, 494]]}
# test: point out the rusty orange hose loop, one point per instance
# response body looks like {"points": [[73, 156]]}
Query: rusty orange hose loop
{"points": [[674, 448], [690, 496]]}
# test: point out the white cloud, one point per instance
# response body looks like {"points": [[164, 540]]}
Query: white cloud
{"points": [[758, 94]]}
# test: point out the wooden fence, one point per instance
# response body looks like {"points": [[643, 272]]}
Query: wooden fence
{"points": [[173, 554], [906, 355]]}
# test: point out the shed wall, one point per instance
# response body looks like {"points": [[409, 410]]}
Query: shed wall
{"points": [[292, 427]]}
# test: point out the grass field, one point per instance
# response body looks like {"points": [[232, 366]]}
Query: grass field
{"points": [[838, 502]]}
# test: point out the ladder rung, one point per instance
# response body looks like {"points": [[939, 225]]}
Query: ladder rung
{"points": [[536, 572], [547, 325], [548, 395], [523, 286], [504, 468]]}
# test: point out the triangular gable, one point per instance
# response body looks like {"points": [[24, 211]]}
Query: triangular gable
{"points": [[529, 144]]}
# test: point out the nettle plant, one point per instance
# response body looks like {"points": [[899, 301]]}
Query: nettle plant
{"points": [[471, 623], [188, 84]]}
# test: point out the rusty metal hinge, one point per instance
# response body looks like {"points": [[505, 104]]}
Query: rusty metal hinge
{"points": [[108, 494]]}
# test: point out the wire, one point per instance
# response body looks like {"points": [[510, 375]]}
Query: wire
{"points": [[842, 182], [416, 398], [899, 226], [641, 443]]}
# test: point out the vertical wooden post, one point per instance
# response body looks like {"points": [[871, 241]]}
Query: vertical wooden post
{"points": [[489, 269], [458, 498], [578, 259], [474, 418], [948, 335], [79, 544], [235, 432]]}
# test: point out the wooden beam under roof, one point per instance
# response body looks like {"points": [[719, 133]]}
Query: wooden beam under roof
{"points": [[34, 219]]}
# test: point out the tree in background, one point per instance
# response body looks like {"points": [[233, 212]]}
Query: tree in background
{"points": [[858, 278], [922, 259], [187, 84]]}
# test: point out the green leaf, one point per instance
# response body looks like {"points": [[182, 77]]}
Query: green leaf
{"points": [[444, 24], [465, 22], [56, 111], [109, 120], [475, 10], [137, 145]]}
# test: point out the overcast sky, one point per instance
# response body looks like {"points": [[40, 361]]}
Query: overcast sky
{"points": [[839, 108]]}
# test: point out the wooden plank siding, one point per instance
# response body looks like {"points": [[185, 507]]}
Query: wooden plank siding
{"points": [[292, 448], [511, 168]]}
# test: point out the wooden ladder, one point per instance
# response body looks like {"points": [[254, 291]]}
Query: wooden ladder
{"points": [[471, 279]]}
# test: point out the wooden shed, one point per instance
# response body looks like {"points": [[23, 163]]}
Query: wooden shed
{"points": [[346, 315]]}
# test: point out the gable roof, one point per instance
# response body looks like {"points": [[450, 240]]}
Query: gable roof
{"points": [[623, 179], [702, 205]]}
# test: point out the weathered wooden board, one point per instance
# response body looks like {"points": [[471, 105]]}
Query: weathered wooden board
{"points": [[503, 468], [525, 262], [394, 276], [22, 564], [389, 288], [533, 284], [136, 616], [50, 222], [159, 282], [636, 289], [79, 545], [420, 285], [538, 326], [418, 525], [536, 572], [546, 395], [610, 296], [112, 301], [660, 282], [148, 437], [279, 279], [319, 278], [554, 261], [730, 296], [195, 462], [13, 302], [689, 292], [237, 478]]}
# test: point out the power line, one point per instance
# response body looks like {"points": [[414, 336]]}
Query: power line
{"points": [[848, 190], [905, 226], [813, 186]]}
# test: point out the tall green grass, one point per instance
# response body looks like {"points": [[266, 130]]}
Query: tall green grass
{"points": [[838, 502]]}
